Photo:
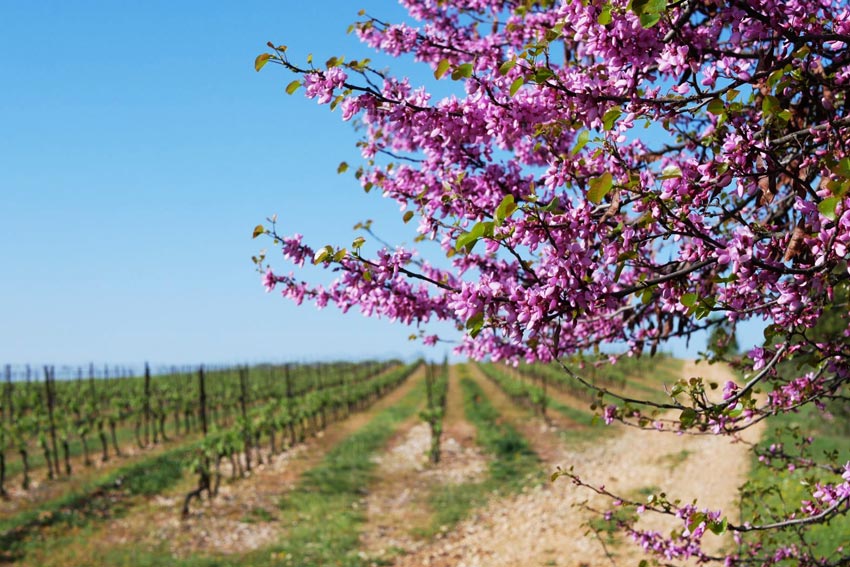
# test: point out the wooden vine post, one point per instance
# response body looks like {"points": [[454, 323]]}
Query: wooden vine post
{"points": [[147, 406]]}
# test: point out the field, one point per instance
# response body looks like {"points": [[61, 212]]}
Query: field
{"points": [[338, 465]]}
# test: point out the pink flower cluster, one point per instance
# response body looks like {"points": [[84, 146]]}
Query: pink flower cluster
{"points": [[564, 224]]}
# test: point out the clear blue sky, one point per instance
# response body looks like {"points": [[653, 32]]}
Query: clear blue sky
{"points": [[139, 149]]}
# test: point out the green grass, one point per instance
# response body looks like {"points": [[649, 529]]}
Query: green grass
{"points": [[101, 500], [513, 466], [324, 509], [831, 437], [38, 466]]}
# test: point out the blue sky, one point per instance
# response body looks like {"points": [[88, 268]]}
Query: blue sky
{"points": [[139, 149]]}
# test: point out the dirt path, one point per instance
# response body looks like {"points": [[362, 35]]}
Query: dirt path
{"points": [[546, 526], [244, 516], [397, 504]]}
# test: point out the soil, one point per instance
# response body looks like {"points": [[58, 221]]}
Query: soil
{"points": [[397, 503], [244, 515], [548, 525]]}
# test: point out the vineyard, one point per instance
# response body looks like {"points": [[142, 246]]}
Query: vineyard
{"points": [[323, 464]]}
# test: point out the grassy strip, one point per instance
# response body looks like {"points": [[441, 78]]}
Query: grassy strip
{"points": [[324, 509], [103, 498], [774, 494], [514, 463]]}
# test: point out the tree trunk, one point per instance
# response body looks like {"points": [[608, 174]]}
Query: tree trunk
{"points": [[48, 460], [103, 443], [112, 429], [66, 450], [25, 483], [86, 458], [3, 493], [203, 484]]}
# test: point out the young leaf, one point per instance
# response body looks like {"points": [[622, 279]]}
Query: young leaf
{"points": [[649, 11], [258, 230], [599, 187], [770, 105], [505, 209], [604, 17], [842, 168], [671, 172], [506, 67], [442, 67], [610, 117], [581, 141], [407, 216], [475, 323], [688, 417], [462, 72], [322, 254], [261, 60], [515, 86], [292, 87], [827, 207], [716, 107]]}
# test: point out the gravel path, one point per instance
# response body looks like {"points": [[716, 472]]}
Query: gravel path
{"points": [[397, 503], [244, 516], [546, 525]]}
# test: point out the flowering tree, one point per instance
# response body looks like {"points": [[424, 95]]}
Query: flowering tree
{"points": [[616, 172]]}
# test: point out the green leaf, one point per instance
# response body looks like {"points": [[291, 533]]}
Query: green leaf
{"points": [[475, 323], [842, 168], [542, 74], [649, 11], [292, 87], [515, 86], [442, 68], [505, 209], [718, 528], [469, 239], [407, 216], [689, 299], [716, 107], [696, 520], [771, 105], [322, 254], [466, 240], [599, 187], [261, 61], [358, 242], [258, 230], [649, 20], [827, 207], [688, 417], [462, 72], [581, 141], [554, 206], [671, 172], [604, 17], [506, 67], [338, 257], [342, 168], [610, 117], [735, 411]]}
